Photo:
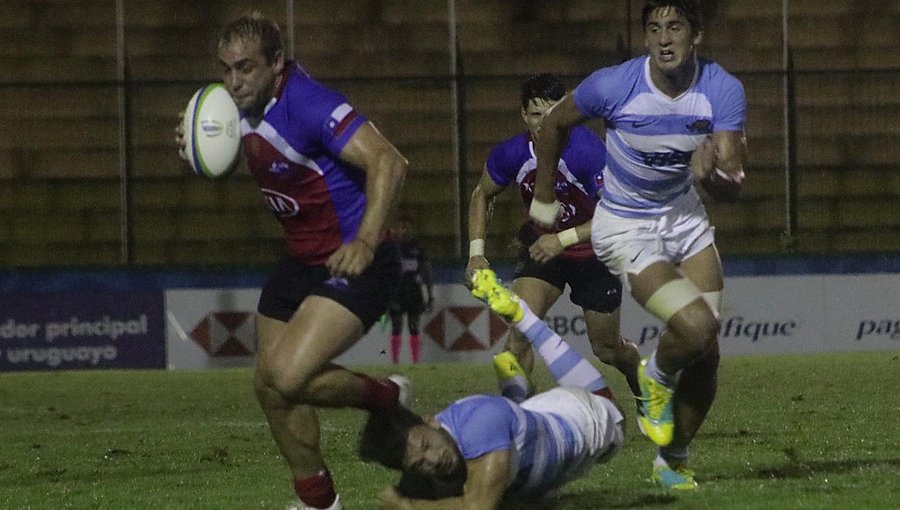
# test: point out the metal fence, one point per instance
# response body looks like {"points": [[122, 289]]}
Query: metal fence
{"points": [[89, 175]]}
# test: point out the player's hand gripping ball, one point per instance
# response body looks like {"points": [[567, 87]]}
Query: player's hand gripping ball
{"points": [[212, 132]]}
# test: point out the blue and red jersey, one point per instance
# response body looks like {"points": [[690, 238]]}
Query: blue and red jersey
{"points": [[294, 156], [578, 181]]}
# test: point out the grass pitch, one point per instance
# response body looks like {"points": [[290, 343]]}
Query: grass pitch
{"points": [[808, 431]]}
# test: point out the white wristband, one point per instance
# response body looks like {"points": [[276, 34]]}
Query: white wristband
{"points": [[544, 214], [476, 248], [567, 237]]}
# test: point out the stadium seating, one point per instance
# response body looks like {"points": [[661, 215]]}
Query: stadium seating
{"points": [[60, 158]]}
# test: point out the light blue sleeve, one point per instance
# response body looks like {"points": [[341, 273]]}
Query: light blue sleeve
{"points": [[592, 94], [730, 109], [481, 425]]}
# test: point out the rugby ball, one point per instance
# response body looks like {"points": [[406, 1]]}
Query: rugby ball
{"points": [[212, 132]]}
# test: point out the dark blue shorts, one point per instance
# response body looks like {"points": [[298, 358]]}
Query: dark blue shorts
{"points": [[593, 287], [366, 296]]}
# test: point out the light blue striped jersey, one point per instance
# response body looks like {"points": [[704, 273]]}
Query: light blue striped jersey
{"points": [[545, 450], [651, 136]]}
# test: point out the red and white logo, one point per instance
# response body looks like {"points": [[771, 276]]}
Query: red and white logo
{"points": [[226, 334], [466, 328], [282, 205]]}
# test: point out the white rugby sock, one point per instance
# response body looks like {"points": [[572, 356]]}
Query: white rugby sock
{"points": [[515, 388], [671, 457]]}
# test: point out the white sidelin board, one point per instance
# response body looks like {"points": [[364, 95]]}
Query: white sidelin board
{"points": [[761, 315]]}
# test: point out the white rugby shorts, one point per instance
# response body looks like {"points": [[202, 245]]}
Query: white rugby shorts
{"points": [[629, 245], [596, 417]]}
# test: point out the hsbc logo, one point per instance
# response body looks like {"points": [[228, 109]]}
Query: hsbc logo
{"points": [[226, 334], [282, 205], [466, 328]]}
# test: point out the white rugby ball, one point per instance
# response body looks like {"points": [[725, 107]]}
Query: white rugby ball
{"points": [[212, 132]]}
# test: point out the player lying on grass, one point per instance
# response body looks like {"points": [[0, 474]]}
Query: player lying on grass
{"points": [[485, 449]]}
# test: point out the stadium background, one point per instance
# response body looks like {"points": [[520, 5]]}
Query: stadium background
{"points": [[89, 176], [98, 215]]}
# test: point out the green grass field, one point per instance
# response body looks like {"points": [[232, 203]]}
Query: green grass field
{"points": [[812, 432]]}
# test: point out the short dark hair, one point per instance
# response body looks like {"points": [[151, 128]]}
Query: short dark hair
{"points": [[384, 436], [544, 86], [254, 25], [384, 439], [690, 9]]}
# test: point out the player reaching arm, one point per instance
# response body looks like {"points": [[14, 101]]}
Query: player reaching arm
{"points": [[385, 171], [548, 246], [552, 258], [718, 164], [483, 450], [557, 126]]}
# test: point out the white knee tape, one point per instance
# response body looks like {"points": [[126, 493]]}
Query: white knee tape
{"points": [[714, 300], [671, 297]]}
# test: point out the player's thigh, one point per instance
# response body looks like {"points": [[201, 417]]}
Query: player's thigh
{"points": [[539, 285], [704, 269], [663, 291], [538, 294], [268, 332], [320, 330], [650, 279]]}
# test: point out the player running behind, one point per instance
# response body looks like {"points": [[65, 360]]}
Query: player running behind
{"points": [[331, 179], [561, 255], [484, 449], [673, 120]]}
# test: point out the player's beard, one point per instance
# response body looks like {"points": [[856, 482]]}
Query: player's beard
{"points": [[257, 108]]}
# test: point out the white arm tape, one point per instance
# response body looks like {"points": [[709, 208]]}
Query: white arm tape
{"points": [[544, 214], [671, 297], [476, 248], [568, 237]]}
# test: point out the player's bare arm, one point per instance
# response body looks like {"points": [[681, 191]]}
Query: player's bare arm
{"points": [[731, 151], [485, 484], [479, 216], [385, 171], [549, 146], [718, 164], [549, 246]]}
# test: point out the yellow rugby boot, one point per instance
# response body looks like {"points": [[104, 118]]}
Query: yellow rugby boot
{"points": [[488, 288], [511, 377], [679, 479], [657, 418]]}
